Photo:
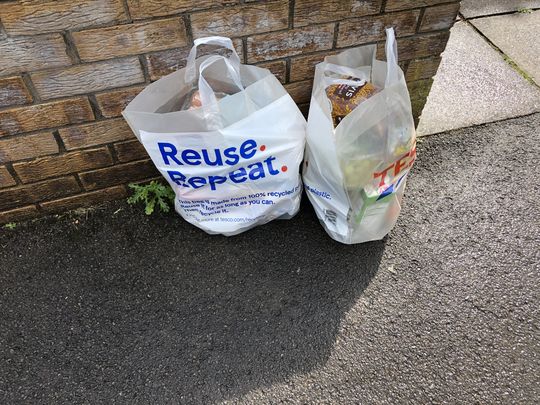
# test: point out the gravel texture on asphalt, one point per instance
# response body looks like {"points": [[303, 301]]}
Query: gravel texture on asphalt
{"points": [[113, 306]]}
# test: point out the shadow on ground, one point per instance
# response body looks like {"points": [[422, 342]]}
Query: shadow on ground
{"points": [[121, 307]]}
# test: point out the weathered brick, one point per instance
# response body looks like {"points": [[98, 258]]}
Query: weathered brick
{"points": [[87, 78], [27, 146], [53, 166], [439, 18], [155, 8], [303, 67], [6, 179], [422, 68], [112, 103], [420, 46], [241, 20], [118, 174], [84, 200], [18, 214], [394, 5], [165, 62], [300, 91], [288, 43], [277, 67], [130, 150], [48, 115], [371, 29], [130, 39], [23, 54], [96, 133], [30, 17], [13, 92], [316, 11], [35, 192]]}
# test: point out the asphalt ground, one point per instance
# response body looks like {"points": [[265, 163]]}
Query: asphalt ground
{"points": [[112, 306]]}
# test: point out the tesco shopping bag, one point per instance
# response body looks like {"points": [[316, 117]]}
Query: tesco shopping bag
{"points": [[227, 137], [361, 143]]}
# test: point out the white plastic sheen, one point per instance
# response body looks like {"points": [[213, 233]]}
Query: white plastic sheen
{"points": [[355, 174], [233, 163]]}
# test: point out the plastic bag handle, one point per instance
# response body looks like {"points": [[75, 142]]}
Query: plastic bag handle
{"points": [[206, 92], [191, 73], [346, 71], [392, 69]]}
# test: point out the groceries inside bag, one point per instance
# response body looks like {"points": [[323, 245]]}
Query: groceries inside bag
{"points": [[227, 137], [361, 143]]}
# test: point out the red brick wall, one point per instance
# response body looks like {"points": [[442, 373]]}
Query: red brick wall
{"points": [[68, 68]]}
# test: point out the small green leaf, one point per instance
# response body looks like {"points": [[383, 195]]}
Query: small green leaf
{"points": [[152, 194], [10, 225]]}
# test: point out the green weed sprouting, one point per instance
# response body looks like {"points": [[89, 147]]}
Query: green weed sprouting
{"points": [[524, 10], [10, 225], [152, 194]]}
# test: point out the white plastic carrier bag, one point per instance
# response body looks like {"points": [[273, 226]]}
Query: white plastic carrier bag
{"points": [[227, 137], [361, 143]]}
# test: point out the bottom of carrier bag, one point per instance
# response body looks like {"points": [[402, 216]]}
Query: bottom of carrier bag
{"points": [[240, 216], [351, 221]]}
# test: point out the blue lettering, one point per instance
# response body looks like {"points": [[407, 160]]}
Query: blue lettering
{"points": [[257, 172], [271, 170], [217, 162], [213, 180], [230, 153], [177, 177], [248, 149], [238, 176], [170, 153], [197, 182], [191, 157]]}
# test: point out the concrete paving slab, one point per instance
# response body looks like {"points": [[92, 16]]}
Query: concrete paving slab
{"points": [[517, 36], [474, 85], [478, 8]]}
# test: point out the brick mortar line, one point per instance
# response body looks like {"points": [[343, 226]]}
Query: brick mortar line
{"points": [[36, 99], [71, 49], [78, 180], [74, 173], [60, 142], [292, 4], [129, 87], [11, 170], [288, 65], [94, 106], [244, 49], [52, 100], [81, 63], [404, 37], [59, 155], [114, 155], [130, 20], [127, 11], [57, 128], [420, 20], [186, 19], [336, 35], [190, 41], [145, 70], [146, 82], [507, 59]]}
